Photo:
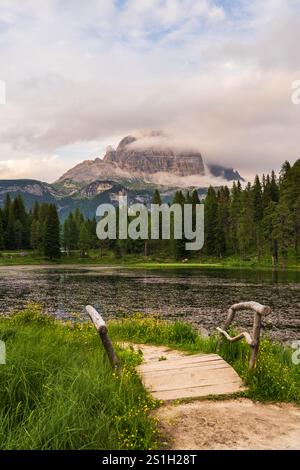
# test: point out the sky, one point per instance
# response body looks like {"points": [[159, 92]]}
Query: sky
{"points": [[215, 75]]}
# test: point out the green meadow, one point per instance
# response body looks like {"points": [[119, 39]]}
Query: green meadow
{"points": [[58, 390]]}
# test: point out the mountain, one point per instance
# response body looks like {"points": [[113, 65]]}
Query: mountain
{"points": [[31, 190], [139, 161], [135, 168], [148, 160], [228, 174], [87, 198]]}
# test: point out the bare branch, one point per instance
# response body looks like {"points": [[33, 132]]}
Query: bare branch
{"points": [[233, 339]]}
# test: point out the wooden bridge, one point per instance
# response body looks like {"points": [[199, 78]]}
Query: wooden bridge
{"points": [[169, 375]]}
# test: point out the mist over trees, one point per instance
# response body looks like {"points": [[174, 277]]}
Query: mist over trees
{"points": [[260, 221]]}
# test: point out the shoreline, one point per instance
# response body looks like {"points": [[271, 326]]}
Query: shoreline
{"points": [[150, 265]]}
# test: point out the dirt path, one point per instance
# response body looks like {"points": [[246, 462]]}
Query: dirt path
{"points": [[224, 424], [230, 424]]}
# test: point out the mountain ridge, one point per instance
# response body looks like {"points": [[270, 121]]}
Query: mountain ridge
{"points": [[135, 168], [153, 162]]}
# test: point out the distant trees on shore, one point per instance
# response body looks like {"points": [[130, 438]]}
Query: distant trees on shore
{"points": [[261, 220], [38, 229]]}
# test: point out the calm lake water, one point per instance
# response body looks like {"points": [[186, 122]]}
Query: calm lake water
{"points": [[201, 297]]}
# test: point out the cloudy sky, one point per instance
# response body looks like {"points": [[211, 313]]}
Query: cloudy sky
{"points": [[216, 74]]}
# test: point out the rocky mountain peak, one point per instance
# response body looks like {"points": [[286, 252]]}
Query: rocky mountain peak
{"points": [[149, 158], [138, 157]]}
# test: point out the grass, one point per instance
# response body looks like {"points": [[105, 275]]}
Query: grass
{"points": [[29, 257], [58, 391]]}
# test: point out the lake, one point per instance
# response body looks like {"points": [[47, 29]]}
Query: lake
{"points": [[199, 296]]}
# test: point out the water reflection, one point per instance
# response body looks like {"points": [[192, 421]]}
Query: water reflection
{"points": [[198, 296]]}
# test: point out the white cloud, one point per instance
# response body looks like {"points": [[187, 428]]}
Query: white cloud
{"points": [[45, 169], [81, 74]]}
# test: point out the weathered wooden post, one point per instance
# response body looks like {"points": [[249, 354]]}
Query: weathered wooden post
{"points": [[253, 341], [101, 328]]}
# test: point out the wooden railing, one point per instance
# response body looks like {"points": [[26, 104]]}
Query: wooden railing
{"points": [[259, 310], [101, 328]]}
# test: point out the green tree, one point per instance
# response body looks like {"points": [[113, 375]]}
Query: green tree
{"points": [[257, 214], [156, 199], [36, 239], [52, 234], [211, 221], [234, 217], [84, 240], [269, 233], [283, 230], [178, 245], [10, 233], [223, 221], [21, 221], [246, 233], [1, 231]]}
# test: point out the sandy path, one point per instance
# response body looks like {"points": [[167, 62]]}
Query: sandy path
{"points": [[230, 424]]}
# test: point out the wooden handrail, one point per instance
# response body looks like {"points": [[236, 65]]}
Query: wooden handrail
{"points": [[101, 328], [253, 341]]}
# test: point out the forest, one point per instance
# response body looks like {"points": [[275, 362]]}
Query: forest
{"points": [[260, 221]]}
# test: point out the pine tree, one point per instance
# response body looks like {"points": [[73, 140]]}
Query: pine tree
{"points": [[194, 200], [296, 223], [257, 214], [234, 217], [246, 231], [179, 244], [283, 229], [10, 234], [1, 231], [274, 188], [156, 197], [84, 240], [155, 244], [52, 234], [21, 220], [211, 221], [71, 231], [269, 233], [36, 240], [222, 227], [267, 192]]}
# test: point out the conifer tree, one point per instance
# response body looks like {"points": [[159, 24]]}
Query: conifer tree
{"points": [[234, 217], [52, 234], [84, 241], [1, 231], [211, 221], [179, 244], [257, 214], [156, 197]]}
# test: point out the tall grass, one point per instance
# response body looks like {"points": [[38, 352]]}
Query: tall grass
{"points": [[58, 391]]}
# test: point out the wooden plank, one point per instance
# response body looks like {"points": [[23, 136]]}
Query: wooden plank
{"points": [[190, 372], [194, 360], [193, 378], [198, 392], [146, 371], [186, 376]]}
